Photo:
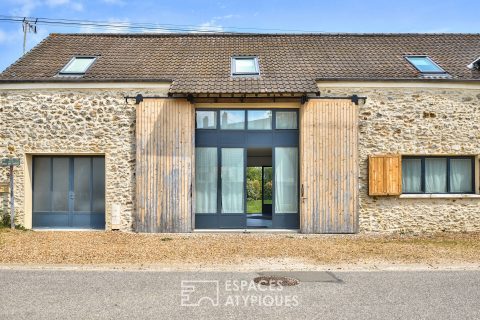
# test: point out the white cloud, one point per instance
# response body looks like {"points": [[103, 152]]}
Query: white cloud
{"points": [[117, 2], [121, 26], [3, 36], [25, 8], [209, 26], [74, 5]]}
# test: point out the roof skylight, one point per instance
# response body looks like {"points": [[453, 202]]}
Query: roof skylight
{"points": [[77, 66], [245, 66], [424, 64]]}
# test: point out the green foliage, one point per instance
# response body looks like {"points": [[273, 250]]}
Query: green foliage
{"points": [[254, 183]]}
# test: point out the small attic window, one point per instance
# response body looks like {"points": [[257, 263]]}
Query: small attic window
{"points": [[77, 66], [245, 66], [475, 65], [425, 65]]}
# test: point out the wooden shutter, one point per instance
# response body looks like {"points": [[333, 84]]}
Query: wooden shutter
{"points": [[165, 165], [328, 166], [384, 175]]}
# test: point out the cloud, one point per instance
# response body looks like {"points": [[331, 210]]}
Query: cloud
{"points": [[74, 5], [24, 8], [209, 26], [120, 26], [115, 2]]}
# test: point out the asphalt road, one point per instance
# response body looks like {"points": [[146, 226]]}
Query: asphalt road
{"points": [[60, 294]]}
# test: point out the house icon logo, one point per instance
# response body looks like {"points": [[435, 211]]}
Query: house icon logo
{"points": [[195, 293]]}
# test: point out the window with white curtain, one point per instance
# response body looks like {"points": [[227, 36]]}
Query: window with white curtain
{"points": [[206, 180], [286, 120], [286, 180], [232, 172], [438, 174]]}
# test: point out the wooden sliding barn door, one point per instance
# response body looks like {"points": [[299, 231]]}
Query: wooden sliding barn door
{"points": [[165, 162], [328, 166]]}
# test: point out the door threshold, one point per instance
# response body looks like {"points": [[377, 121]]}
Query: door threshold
{"points": [[246, 231]]}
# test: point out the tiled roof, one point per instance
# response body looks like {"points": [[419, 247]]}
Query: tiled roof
{"points": [[290, 63]]}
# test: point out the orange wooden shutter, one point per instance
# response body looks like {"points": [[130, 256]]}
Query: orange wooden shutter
{"points": [[384, 175]]}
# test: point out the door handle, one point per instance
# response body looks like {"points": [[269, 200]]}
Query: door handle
{"points": [[71, 195], [302, 192]]}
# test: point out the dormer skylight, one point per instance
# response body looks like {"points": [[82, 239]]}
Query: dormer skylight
{"points": [[77, 66], [475, 65], [245, 66], [425, 65]]}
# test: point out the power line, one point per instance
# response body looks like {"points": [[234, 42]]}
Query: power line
{"points": [[139, 27]]}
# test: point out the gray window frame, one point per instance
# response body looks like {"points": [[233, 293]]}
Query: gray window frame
{"points": [[65, 73], [447, 173], [233, 66], [407, 57]]}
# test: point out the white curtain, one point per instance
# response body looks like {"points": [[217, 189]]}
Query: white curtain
{"points": [[412, 175], [435, 175], [460, 175], [232, 180], [206, 180], [286, 180], [286, 120]]}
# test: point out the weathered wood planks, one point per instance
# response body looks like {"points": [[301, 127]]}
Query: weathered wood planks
{"points": [[165, 137], [328, 166], [384, 175]]}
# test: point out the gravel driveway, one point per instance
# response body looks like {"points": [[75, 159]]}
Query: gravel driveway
{"points": [[117, 248]]}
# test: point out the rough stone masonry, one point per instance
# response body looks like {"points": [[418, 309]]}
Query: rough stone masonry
{"points": [[414, 121]]}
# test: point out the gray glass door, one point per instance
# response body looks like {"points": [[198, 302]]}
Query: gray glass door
{"points": [[228, 141], [68, 192]]}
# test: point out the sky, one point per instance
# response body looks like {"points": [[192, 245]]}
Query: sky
{"points": [[428, 16]]}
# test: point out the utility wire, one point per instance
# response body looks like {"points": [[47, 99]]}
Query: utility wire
{"points": [[140, 27]]}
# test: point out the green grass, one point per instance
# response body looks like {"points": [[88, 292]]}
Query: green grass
{"points": [[255, 206]]}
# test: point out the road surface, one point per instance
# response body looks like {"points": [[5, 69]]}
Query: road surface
{"points": [[78, 294]]}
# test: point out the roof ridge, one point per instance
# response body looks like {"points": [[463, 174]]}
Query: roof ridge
{"points": [[244, 34]]}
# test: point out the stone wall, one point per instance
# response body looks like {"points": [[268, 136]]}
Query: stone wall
{"points": [[416, 121], [72, 122], [404, 120]]}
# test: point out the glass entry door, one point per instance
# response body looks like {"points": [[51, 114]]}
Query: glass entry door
{"points": [[68, 192], [227, 143]]}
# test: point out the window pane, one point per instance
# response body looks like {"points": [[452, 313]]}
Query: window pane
{"points": [[245, 65], [60, 184], [206, 180], [460, 175], [259, 120], [78, 65], [412, 175], [81, 184], [424, 64], [286, 120], [98, 193], [232, 180], [232, 119], [286, 180], [206, 120], [435, 175], [42, 194]]}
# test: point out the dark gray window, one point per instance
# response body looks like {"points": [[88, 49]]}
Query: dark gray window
{"points": [[286, 120], [232, 119], [438, 175], [206, 120], [259, 119]]}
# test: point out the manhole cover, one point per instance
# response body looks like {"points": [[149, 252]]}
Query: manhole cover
{"points": [[276, 281]]}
